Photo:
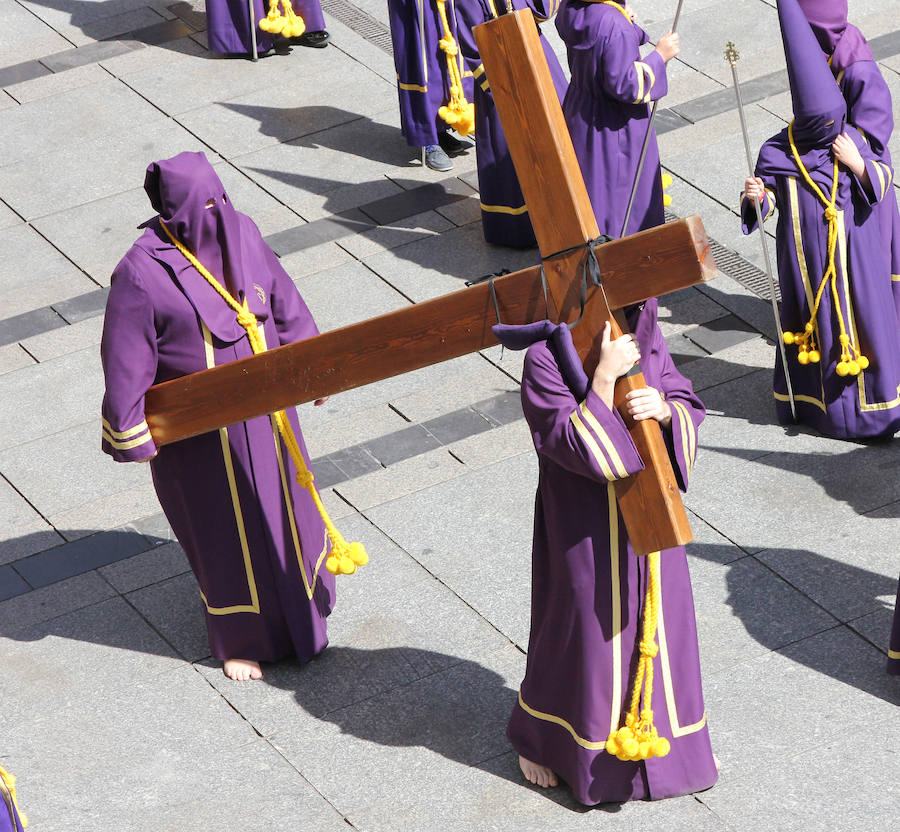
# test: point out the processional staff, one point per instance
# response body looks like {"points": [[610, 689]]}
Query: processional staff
{"points": [[731, 55], [640, 164]]}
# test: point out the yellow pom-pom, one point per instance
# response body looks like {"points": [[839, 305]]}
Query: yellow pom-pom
{"points": [[852, 368], [612, 747], [333, 565], [348, 567], [623, 734], [863, 362], [644, 750], [667, 200], [630, 748], [666, 180], [841, 368], [788, 337], [622, 756], [660, 747], [358, 554], [802, 357]]}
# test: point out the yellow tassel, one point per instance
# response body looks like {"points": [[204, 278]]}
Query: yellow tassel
{"points": [[457, 112], [638, 739], [666, 184], [10, 783], [344, 557], [289, 23]]}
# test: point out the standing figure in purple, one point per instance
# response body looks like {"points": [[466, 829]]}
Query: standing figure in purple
{"points": [[228, 26], [504, 215], [587, 615], [423, 76], [253, 536], [837, 305], [606, 109], [869, 106]]}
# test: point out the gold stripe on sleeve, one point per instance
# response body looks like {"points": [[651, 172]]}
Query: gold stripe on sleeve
{"points": [[140, 427], [411, 87], [592, 445], [686, 444], [604, 438], [640, 80], [651, 78], [479, 71], [894, 654], [773, 202], [880, 173], [125, 445]]}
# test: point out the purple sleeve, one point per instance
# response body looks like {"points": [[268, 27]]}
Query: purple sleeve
{"points": [[869, 106], [587, 439], [687, 413], [625, 76], [881, 174], [749, 219], [292, 317], [128, 354]]}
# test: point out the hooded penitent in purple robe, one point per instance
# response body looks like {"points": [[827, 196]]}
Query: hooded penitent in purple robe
{"points": [[606, 108], [504, 215], [422, 76], [253, 536], [228, 24], [588, 587], [869, 105], [848, 406]]}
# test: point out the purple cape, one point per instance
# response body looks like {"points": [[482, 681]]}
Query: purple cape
{"points": [[588, 587], [228, 24], [253, 537], [606, 109], [504, 215], [422, 83]]}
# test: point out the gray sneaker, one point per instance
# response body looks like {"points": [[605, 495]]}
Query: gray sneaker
{"points": [[436, 159]]}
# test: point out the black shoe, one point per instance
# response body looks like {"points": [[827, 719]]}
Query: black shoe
{"points": [[451, 145], [317, 40]]}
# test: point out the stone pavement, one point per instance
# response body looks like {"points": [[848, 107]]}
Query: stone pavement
{"points": [[113, 715]]}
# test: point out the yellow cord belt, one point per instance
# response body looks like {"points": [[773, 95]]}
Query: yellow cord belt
{"points": [[638, 739], [344, 557], [852, 360], [457, 112], [289, 24]]}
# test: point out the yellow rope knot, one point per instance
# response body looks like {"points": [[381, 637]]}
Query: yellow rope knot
{"points": [[638, 739], [852, 361], [344, 557]]}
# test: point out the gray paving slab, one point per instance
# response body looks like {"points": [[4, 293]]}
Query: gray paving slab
{"points": [[720, 333], [256, 120], [157, 564], [735, 362], [174, 609], [131, 499], [745, 610], [72, 20], [17, 74], [437, 265], [57, 83], [11, 583], [495, 445], [463, 211], [22, 327], [142, 59], [454, 717], [13, 357], [457, 425], [402, 444], [96, 168], [25, 36], [876, 626], [79, 556], [59, 342], [81, 307], [8, 217], [23, 611], [332, 431], [22, 530], [385, 237], [474, 534], [686, 309]]}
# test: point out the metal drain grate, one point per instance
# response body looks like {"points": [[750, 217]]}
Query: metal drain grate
{"points": [[361, 22], [736, 267]]}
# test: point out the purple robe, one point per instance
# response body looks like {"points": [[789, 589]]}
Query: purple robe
{"points": [[253, 537], [867, 405], [588, 587], [607, 113], [422, 83], [893, 662], [504, 215], [228, 24]]}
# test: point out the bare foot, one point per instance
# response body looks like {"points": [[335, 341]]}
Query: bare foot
{"points": [[539, 775], [240, 670]]}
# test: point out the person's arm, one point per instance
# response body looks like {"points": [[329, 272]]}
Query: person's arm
{"points": [[869, 105], [685, 409], [872, 177], [587, 438], [627, 77], [129, 356], [760, 189]]}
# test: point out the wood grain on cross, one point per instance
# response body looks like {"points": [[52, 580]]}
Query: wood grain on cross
{"points": [[634, 269]]}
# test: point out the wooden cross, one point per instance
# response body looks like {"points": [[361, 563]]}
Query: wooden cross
{"points": [[644, 265]]}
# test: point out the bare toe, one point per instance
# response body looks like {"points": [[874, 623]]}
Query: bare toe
{"points": [[241, 670]]}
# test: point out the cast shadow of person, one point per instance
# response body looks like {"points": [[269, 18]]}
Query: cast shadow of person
{"points": [[409, 697], [771, 612]]}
